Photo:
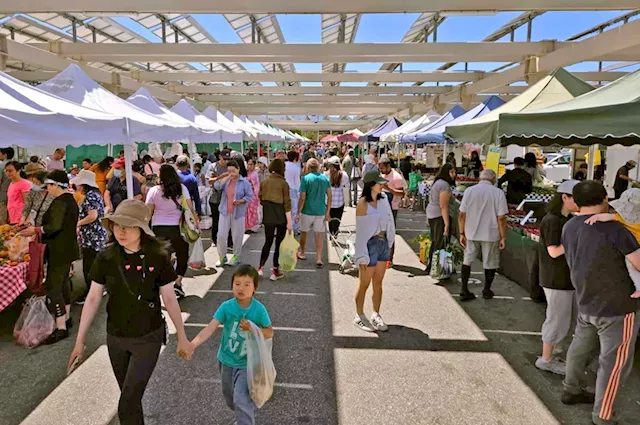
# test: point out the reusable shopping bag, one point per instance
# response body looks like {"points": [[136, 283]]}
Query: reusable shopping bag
{"points": [[196, 260], [261, 372], [35, 323], [441, 265], [288, 249]]}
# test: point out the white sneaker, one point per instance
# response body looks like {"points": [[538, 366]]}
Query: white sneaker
{"points": [[364, 324], [260, 272], [378, 323], [553, 366]]}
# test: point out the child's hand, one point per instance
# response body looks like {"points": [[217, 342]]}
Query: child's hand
{"points": [[599, 217], [185, 349], [245, 325], [636, 294]]}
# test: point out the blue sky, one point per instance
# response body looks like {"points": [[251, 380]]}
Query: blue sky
{"points": [[390, 28]]}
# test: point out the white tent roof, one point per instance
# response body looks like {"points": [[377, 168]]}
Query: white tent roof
{"points": [[216, 116], [75, 85], [32, 117], [241, 125], [264, 133], [186, 110], [410, 126]]}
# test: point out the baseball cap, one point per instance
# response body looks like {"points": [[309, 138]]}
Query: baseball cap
{"points": [[334, 160], [567, 186], [374, 176], [632, 162]]}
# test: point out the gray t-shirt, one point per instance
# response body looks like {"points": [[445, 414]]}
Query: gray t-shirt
{"points": [[215, 170], [433, 207], [483, 203]]}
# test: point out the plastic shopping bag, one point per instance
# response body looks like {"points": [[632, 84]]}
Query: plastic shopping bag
{"points": [[196, 260], [35, 323], [261, 372], [288, 250], [441, 265], [425, 247]]}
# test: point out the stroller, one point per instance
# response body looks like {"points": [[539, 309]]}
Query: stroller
{"points": [[344, 242]]}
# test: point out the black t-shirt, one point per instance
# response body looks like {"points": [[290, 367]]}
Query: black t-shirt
{"points": [[580, 175], [554, 272], [519, 184], [59, 226], [620, 185], [596, 257], [118, 190], [128, 316]]}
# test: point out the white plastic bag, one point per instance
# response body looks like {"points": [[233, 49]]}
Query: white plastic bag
{"points": [[35, 323], [196, 260], [261, 372]]}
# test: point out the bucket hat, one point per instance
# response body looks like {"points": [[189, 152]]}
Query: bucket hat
{"points": [[374, 176], [132, 213], [85, 177], [628, 206], [33, 167]]}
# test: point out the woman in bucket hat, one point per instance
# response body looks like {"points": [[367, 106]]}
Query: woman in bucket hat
{"points": [[93, 235], [136, 271]]}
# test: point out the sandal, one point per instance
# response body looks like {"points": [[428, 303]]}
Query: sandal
{"points": [[319, 265], [301, 257]]}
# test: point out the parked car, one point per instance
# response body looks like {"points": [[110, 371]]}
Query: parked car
{"points": [[558, 167]]}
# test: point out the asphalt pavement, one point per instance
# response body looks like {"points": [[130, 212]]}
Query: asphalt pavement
{"points": [[441, 362]]}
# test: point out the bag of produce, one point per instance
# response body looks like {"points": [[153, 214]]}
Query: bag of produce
{"points": [[35, 323], [261, 372], [441, 265], [288, 249], [196, 260]]}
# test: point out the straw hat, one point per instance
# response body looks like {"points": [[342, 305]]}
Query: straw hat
{"points": [[33, 167], [132, 213], [85, 177]]}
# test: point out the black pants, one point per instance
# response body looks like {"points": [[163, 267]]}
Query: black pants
{"points": [[178, 245], [133, 361], [269, 232], [354, 185], [57, 288], [335, 225], [436, 225], [88, 258]]}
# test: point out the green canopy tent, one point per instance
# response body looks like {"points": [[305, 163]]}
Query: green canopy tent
{"points": [[559, 86], [609, 115]]}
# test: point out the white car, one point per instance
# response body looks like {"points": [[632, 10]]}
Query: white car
{"points": [[558, 167]]}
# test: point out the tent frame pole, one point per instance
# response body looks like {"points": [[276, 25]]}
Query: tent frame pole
{"points": [[128, 161]]}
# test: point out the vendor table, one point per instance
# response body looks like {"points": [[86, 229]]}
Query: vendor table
{"points": [[519, 262], [13, 281]]}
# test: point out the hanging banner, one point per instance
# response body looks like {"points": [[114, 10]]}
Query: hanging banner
{"points": [[493, 158]]}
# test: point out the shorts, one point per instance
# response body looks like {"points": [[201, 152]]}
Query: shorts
{"points": [[312, 223], [490, 254], [378, 249], [560, 316]]}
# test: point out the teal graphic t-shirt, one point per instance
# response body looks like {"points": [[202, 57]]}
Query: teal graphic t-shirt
{"points": [[315, 186], [233, 350]]}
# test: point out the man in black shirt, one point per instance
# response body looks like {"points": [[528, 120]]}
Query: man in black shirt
{"points": [[581, 174], [622, 178], [519, 182], [607, 314]]}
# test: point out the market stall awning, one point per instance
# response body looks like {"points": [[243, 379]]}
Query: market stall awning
{"points": [[213, 131], [231, 134], [609, 115], [386, 127], [453, 113], [410, 126], [436, 135], [557, 87]]}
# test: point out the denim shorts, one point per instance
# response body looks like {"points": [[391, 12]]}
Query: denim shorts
{"points": [[378, 248]]}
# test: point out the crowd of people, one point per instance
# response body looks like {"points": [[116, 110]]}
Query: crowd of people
{"points": [[134, 250]]}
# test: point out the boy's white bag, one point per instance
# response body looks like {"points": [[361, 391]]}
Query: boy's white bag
{"points": [[261, 373]]}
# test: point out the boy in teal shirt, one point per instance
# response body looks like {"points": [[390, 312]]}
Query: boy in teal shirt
{"points": [[313, 208], [235, 315]]}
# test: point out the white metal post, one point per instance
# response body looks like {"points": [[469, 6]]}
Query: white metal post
{"points": [[592, 161], [444, 152], [128, 160]]}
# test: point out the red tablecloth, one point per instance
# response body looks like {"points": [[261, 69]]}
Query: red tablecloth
{"points": [[13, 281]]}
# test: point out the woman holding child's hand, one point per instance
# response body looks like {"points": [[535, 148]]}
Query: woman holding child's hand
{"points": [[136, 271]]}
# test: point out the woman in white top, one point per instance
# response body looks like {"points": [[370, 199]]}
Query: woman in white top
{"points": [[165, 205], [375, 235], [292, 173], [339, 183]]}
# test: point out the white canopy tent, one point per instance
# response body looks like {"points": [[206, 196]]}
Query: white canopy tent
{"points": [[248, 130], [187, 111], [232, 133], [410, 127]]}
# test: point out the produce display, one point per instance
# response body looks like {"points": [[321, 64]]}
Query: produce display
{"points": [[462, 183], [530, 229], [14, 248]]}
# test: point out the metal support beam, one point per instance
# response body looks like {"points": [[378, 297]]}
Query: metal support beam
{"points": [[306, 99], [31, 55], [298, 7], [74, 30], [3, 52], [310, 53], [309, 110], [314, 90], [164, 31]]}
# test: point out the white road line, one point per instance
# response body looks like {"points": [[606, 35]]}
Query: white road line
{"points": [[302, 294], [527, 298], [271, 252], [229, 291], [277, 384], [275, 328], [502, 331], [411, 230], [497, 297]]}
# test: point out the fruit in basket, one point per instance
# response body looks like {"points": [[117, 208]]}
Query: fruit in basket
{"points": [[4, 254], [26, 258]]}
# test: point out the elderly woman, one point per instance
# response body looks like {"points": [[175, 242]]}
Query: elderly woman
{"points": [[38, 199], [117, 187]]}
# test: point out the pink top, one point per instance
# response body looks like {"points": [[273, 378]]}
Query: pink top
{"points": [[231, 195], [152, 166], [396, 182], [15, 199], [166, 212]]}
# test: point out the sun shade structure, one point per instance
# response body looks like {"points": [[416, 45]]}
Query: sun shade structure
{"points": [[435, 135], [609, 115], [410, 126], [386, 127], [76, 86], [231, 134], [557, 87], [32, 117], [454, 113]]}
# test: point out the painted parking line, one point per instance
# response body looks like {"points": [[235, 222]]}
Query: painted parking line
{"points": [[300, 294], [502, 331], [495, 297], [271, 252], [275, 328], [277, 384]]}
